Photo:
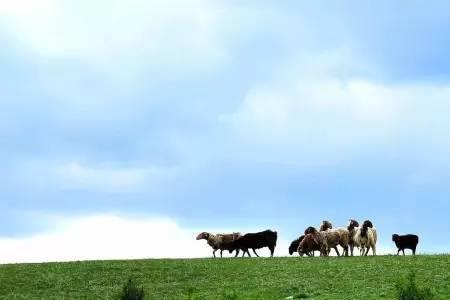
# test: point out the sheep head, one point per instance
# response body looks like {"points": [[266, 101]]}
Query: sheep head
{"points": [[352, 224], [367, 224], [326, 225], [203, 236], [302, 248], [310, 229], [395, 237], [293, 247], [236, 235]]}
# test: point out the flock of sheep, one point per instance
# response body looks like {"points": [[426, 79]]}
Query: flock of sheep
{"points": [[325, 239]]}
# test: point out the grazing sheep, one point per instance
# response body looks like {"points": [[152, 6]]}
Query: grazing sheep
{"points": [[315, 242], [344, 238], [294, 245], [352, 228], [323, 241], [220, 241], [310, 243], [408, 241], [366, 237], [267, 238]]}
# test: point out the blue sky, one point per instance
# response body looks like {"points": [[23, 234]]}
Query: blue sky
{"points": [[225, 115]]}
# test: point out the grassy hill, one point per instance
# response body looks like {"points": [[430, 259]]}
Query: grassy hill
{"points": [[264, 278]]}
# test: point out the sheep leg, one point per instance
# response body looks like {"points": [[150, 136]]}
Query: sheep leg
{"points": [[237, 252], [398, 252], [248, 252], [254, 251], [221, 251], [272, 250], [214, 253], [403, 250], [374, 250], [414, 250], [367, 251], [344, 251], [337, 252]]}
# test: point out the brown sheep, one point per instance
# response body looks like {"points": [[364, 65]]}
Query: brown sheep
{"points": [[321, 241], [310, 243], [331, 239], [344, 238]]}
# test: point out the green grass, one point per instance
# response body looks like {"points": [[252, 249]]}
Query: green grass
{"points": [[263, 278]]}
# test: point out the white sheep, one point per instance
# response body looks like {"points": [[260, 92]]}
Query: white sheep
{"points": [[352, 228], [220, 241], [366, 237]]}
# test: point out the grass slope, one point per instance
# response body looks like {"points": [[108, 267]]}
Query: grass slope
{"points": [[264, 278]]}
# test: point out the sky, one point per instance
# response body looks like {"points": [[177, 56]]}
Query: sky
{"points": [[149, 121]]}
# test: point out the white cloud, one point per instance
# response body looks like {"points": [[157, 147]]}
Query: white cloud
{"points": [[93, 60], [81, 176], [110, 237], [102, 28], [324, 118], [24, 7], [74, 175], [104, 237], [134, 36], [307, 105]]}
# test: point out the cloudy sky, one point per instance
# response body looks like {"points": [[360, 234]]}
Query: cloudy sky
{"points": [[153, 120]]}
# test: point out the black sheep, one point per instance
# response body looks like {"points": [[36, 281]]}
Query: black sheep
{"points": [[403, 242], [294, 245], [257, 240]]}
